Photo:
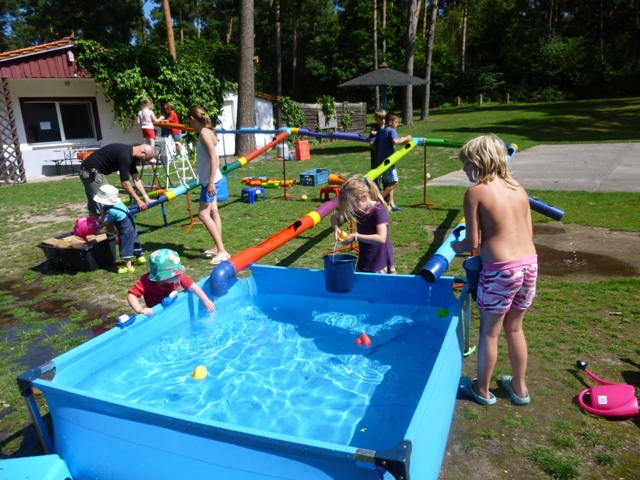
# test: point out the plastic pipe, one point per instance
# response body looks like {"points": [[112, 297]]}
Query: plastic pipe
{"points": [[545, 209], [440, 261], [223, 273], [166, 196]]}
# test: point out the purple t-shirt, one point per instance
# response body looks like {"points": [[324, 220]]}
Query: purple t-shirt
{"points": [[374, 257], [384, 145]]}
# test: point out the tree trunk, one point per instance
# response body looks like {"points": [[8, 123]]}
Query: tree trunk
{"points": [[229, 30], [143, 24], [412, 28], [278, 52], [169, 25], [429, 53], [463, 47], [384, 29], [246, 77], [198, 19], [294, 46], [375, 48]]}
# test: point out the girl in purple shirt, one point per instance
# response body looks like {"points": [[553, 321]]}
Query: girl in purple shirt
{"points": [[360, 199]]}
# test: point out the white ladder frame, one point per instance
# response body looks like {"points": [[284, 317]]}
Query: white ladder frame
{"points": [[181, 164]]}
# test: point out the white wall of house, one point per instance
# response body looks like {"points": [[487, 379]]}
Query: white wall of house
{"points": [[34, 156], [264, 121]]}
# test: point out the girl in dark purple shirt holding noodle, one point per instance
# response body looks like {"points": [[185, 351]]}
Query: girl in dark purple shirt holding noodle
{"points": [[360, 199]]}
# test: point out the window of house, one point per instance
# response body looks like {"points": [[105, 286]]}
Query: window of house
{"points": [[60, 120]]}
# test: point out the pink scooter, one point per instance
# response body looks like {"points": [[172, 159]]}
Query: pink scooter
{"points": [[608, 399]]}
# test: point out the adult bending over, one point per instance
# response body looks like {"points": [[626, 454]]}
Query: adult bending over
{"points": [[116, 157], [496, 211]]}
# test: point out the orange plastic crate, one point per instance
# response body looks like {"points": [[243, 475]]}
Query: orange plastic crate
{"points": [[83, 155], [302, 150]]}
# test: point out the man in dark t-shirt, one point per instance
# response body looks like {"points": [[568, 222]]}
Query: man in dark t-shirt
{"points": [[116, 157]]}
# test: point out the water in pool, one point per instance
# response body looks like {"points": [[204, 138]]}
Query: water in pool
{"points": [[289, 364]]}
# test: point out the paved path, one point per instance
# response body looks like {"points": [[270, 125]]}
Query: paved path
{"points": [[593, 167]]}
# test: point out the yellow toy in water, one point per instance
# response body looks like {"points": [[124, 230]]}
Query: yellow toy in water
{"points": [[200, 372]]}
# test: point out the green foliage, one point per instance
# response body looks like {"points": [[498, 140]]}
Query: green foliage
{"points": [[328, 105], [291, 112], [346, 119], [128, 75]]}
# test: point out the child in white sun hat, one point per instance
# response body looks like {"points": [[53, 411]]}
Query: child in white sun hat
{"points": [[165, 274], [115, 212]]}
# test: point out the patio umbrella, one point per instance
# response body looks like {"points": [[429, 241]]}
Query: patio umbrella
{"points": [[382, 77]]}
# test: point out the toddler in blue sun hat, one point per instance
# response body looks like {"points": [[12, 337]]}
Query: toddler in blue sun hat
{"points": [[165, 274], [115, 212]]}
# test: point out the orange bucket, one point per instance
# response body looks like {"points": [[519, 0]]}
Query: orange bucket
{"points": [[335, 179]]}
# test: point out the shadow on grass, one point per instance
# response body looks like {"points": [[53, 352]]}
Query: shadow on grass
{"points": [[438, 238], [302, 249], [30, 445]]}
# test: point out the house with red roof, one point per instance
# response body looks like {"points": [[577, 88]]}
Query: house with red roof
{"points": [[51, 110]]}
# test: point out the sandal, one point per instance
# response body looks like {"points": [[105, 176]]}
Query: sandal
{"points": [[466, 386], [126, 269], [209, 253], [219, 260], [505, 381]]}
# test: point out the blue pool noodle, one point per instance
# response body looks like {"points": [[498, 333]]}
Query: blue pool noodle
{"points": [[440, 261]]}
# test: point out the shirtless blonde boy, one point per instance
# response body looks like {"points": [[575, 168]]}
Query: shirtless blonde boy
{"points": [[496, 211]]}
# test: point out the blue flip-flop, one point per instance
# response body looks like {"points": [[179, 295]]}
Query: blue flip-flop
{"points": [[505, 381], [466, 387]]}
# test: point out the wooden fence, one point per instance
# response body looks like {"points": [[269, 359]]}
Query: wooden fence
{"points": [[316, 119]]}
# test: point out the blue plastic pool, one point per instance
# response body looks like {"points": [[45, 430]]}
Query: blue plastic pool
{"points": [[289, 395]]}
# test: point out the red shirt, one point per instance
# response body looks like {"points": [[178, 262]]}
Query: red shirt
{"points": [[154, 292], [173, 118]]}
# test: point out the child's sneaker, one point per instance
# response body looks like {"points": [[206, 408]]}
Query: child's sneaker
{"points": [[140, 260], [126, 269]]}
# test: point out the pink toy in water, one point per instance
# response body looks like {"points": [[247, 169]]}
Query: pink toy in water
{"points": [[608, 399], [85, 226]]}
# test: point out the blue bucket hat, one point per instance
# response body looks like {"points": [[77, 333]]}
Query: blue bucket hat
{"points": [[164, 264]]}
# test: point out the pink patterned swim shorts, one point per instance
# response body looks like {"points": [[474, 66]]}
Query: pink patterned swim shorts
{"points": [[506, 285]]}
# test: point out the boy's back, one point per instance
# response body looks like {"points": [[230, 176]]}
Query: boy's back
{"points": [[384, 144], [505, 221]]}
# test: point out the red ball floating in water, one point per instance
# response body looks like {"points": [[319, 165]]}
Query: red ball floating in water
{"points": [[363, 340]]}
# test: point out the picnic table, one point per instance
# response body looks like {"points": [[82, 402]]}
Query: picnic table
{"points": [[73, 156]]}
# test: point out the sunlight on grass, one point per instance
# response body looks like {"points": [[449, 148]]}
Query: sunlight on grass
{"points": [[554, 465]]}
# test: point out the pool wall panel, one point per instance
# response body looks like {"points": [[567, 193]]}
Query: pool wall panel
{"points": [[101, 438]]}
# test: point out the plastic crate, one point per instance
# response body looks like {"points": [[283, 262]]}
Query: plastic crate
{"points": [[88, 259], [314, 177]]}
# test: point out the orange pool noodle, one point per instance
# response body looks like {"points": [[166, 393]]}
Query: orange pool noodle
{"points": [[256, 183]]}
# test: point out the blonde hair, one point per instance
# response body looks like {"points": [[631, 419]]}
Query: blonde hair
{"points": [[351, 190], [379, 114], [146, 103], [200, 115], [488, 154], [169, 105]]}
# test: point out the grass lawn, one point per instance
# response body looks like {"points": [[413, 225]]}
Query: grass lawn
{"points": [[44, 312]]}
